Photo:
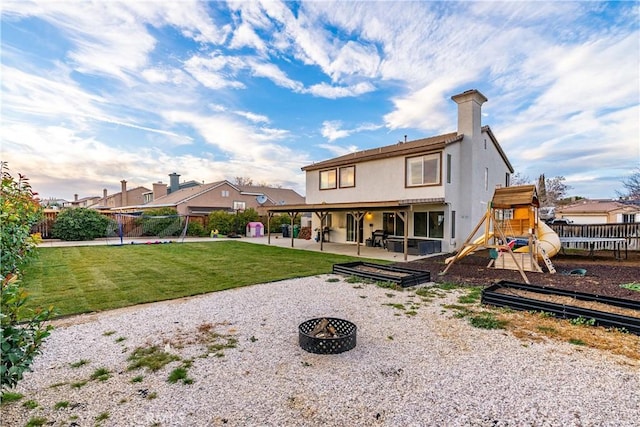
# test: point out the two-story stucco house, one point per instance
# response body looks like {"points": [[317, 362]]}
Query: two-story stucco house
{"points": [[435, 188]]}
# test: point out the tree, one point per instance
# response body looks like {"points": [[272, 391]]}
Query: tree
{"points": [[241, 180], [22, 331], [542, 190], [631, 185], [519, 179], [79, 224], [556, 190]]}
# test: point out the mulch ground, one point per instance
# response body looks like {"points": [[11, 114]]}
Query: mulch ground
{"points": [[604, 273]]}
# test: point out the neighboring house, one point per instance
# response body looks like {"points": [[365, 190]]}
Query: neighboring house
{"points": [[203, 199], [600, 212], [434, 188], [53, 203], [123, 198], [83, 202], [160, 189]]}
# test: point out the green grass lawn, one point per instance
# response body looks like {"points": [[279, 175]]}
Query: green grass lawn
{"points": [[95, 278]]}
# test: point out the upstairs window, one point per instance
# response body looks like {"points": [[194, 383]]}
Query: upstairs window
{"points": [[423, 170], [328, 179], [348, 176]]}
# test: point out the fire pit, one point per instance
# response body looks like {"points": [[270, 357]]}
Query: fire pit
{"points": [[327, 335]]}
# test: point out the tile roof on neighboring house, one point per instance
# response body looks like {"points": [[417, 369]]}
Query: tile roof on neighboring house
{"points": [[184, 195], [277, 196], [597, 206]]}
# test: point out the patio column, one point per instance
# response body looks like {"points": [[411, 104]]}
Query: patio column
{"points": [[293, 216], [358, 216], [321, 216], [404, 217]]}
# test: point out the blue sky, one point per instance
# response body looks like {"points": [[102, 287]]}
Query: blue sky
{"points": [[97, 92]]}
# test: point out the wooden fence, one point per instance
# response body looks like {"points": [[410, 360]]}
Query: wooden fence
{"points": [[628, 231], [129, 224]]}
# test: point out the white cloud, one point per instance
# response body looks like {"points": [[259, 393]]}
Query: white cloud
{"points": [[333, 92], [215, 72], [331, 129], [245, 36], [273, 73], [256, 118]]}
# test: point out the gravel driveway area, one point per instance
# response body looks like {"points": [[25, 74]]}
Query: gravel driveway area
{"points": [[425, 369]]}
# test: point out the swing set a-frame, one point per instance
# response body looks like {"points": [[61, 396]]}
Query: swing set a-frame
{"points": [[511, 216]]}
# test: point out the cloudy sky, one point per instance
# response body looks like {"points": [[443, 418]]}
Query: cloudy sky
{"points": [[97, 92]]}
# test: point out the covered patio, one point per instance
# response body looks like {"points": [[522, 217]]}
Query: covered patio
{"points": [[358, 210]]}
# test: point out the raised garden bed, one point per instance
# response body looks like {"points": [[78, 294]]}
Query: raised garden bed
{"points": [[404, 277], [606, 311]]}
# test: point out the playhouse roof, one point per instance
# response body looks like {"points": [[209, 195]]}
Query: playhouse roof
{"points": [[510, 197]]}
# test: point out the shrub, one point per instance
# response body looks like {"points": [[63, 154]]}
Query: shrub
{"points": [[228, 222], [19, 343], [196, 229], [221, 221], [79, 224], [277, 221], [170, 225]]}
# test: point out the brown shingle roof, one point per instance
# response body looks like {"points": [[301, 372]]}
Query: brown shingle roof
{"points": [[400, 149], [184, 194]]}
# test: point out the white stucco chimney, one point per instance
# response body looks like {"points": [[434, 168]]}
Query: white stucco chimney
{"points": [[124, 193], [469, 112]]}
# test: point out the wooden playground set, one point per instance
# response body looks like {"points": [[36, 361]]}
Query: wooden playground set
{"points": [[514, 234]]}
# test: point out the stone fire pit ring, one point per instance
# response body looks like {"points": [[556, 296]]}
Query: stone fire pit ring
{"points": [[344, 339]]}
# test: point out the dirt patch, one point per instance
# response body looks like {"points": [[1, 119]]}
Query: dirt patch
{"points": [[604, 273]]}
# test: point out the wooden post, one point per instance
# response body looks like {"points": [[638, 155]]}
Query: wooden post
{"points": [[321, 216], [358, 216], [293, 215]]}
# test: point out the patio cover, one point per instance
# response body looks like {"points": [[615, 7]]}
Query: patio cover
{"points": [[357, 209]]}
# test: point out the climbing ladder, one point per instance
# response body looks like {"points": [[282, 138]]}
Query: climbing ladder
{"points": [[544, 256]]}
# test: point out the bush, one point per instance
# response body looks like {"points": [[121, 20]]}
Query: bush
{"points": [[221, 221], [169, 223], [79, 224], [196, 229], [228, 222], [19, 343], [277, 221]]}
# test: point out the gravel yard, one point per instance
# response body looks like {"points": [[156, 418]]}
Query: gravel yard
{"points": [[406, 370]]}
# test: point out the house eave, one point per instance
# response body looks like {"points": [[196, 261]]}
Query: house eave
{"points": [[426, 145]]}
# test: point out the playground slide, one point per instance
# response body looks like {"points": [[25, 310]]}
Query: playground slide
{"points": [[468, 249], [549, 240]]}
